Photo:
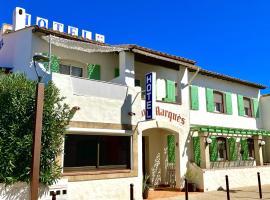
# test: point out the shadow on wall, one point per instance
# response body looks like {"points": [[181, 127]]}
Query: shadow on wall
{"points": [[18, 191], [126, 108]]}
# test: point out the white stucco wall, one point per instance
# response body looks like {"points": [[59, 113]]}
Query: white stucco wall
{"points": [[238, 177], [96, 106], [202, 117], [17, 52]]}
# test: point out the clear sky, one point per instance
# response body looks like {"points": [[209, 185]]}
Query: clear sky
{"points": [[230, 37]]}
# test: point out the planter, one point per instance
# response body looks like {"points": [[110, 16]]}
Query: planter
{"points": [[145, 194], [192, 187]]}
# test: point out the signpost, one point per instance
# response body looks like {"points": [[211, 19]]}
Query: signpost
{"points": [[150, 96]]}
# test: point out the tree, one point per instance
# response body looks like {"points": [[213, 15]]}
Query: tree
{"points": [[17, 111]]}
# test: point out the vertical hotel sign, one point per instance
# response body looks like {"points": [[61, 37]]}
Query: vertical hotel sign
{"points": [[150, 96]]}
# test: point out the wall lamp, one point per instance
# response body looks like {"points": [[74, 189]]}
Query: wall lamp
{"points": [[262, 143], [208, 140], [40, 59]]}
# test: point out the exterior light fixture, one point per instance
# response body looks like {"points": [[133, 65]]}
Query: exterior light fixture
{"points": [[40, 59], [208, 140], [262, 143]]}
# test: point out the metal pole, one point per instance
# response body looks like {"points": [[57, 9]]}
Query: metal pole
{"points": [[186, 189], [53, 196], [131, 192], [34, 182], [259, 183], [227, 187]]}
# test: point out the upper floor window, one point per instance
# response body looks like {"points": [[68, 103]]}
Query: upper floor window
{"points": [[218, 102], [247, 107], [71, 70]]}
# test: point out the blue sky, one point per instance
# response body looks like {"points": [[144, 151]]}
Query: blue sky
{"points": [[229, 37]]}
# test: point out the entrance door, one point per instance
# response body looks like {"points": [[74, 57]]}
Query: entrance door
{"points": [[143, 155]]}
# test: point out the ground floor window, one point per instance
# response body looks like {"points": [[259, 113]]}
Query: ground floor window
{"points": [[95, 152], [224, 148]]}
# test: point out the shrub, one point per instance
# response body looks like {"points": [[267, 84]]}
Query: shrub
{"points": [[17, 111]]}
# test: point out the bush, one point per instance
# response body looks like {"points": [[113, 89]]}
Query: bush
{"points": [[17, 108]]}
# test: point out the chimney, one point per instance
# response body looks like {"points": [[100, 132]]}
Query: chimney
{"points": [[18, 18], [6, 28]]}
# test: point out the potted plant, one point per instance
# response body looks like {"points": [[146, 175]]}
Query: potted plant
{"points": [[190, 175], [145, 188]]}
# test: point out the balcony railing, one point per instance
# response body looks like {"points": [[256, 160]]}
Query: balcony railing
{"points": [[228, 164]]}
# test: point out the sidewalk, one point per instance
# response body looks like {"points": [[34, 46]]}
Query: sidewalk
{"points": [[247, 193]]}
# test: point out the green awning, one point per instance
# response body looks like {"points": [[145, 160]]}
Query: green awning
{"points": [[227, 130]]}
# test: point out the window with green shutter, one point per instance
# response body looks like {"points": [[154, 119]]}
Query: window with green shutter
{"points": [[171, 148], [170, 91], [244, 148], [240, 102], [116, 72], [232, 149], [93, 71], [213, 149], [194, 97], [256, 112], [228, 97], [209, 100]]}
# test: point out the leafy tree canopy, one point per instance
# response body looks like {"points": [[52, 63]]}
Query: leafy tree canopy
{"points": [[17, 111]]}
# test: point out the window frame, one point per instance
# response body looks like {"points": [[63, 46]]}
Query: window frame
{"points": [[223, 104], [250, 107], [97, 166], [225, 150]]}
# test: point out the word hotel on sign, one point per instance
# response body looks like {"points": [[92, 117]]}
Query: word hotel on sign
{"points": [[42, 22]]}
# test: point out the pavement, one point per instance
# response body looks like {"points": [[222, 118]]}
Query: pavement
{"points": [[246, 193]]}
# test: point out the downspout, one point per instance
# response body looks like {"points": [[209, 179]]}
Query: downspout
{"points": [[50, 53]]}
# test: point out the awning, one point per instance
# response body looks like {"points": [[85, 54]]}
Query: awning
{"points": [[227, 130]]}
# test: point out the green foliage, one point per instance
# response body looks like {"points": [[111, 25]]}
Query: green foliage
{"points": [[213, 148], [196, 150], [145, 184], [171, 148], [232, 149], [17, 100]]}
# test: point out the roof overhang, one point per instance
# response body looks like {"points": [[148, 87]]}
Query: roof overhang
{"points": [[228, 78]]}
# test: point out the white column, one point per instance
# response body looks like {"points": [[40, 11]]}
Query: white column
{"points": [[258, 150], [126, 68], [205, 156]]}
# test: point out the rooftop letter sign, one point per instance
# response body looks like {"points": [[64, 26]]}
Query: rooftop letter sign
{"points": [[21, 19], [150, 96]]}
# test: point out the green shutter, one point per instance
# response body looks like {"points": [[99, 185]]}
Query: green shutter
{"points": [[116, 72], [194, 97], [54, 63], [213, 149], [171, 148], [209, 100], [256, 112], [93, 71], [244, 149], [170, 91], [196, 150], [240, 105], [232, 149], [228, 98]]}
